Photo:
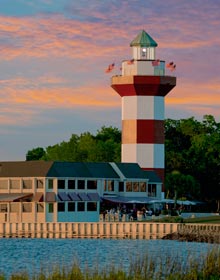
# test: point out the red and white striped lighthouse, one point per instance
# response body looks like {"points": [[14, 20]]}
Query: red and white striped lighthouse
{"points": [[142, 87]]}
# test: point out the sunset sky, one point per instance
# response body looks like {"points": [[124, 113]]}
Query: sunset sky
{"points": [[53, 56]]}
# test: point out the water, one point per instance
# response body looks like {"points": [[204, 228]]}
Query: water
{"points": [[33, 255]]}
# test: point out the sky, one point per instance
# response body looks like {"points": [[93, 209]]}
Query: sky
{"points": [[53, 56]]}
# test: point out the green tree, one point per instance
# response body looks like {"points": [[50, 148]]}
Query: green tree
{"points": [[35, 154]]}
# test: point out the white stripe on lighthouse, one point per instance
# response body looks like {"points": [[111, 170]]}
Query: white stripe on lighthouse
{"points": [[147, 155], [143, 107]]}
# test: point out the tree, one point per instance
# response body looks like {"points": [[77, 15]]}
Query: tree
{"points": [[35, 154], [193, 148], [179, 185]]}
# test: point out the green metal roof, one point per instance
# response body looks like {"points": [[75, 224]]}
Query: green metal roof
{"points": [[82, 169], [143, 40], [74, 169], [152, 176]]}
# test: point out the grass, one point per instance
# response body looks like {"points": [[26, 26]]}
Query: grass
{"points": [[206, 220], [178, 219], [142, 268]]}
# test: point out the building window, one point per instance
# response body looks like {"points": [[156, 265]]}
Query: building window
{"points": [[91, 206], [14, 184], [50, 208], [152, 190], [71, 184], [40, 184], [3, 208], [50, 184], [128, 186], [14, 207], [61, 206], [61, 184], [143, 187], [71, 206], [40, 208], [81, 206], [27, 184], [3, 184], [81, 184], [109, 186], [135, 187], [92, 185], [27, 207], [121, 186]]}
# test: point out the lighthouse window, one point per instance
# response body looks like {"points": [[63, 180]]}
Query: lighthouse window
{"points": [[144, 52]]}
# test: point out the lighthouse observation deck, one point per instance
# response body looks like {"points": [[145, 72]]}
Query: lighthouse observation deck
{"points": [[143, 67]]}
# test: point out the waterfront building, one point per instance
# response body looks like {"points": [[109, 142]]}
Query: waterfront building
{"points": [[48, 191]]}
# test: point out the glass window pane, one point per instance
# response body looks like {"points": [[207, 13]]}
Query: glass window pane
{"points": [[91, 184], [27, 184], [128, 186], [61, 207], [91, 206], [71, 184], [71, 206], [3, 184], [50, 184], [135, 187], [80, 206], [14, 184], [50, 208], [40, 184], [81, 184]]}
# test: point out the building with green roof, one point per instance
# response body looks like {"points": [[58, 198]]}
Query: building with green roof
{"points": [[52, 191]]}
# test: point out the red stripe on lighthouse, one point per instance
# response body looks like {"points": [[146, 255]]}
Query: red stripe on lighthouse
{"points": [[143, 131]]}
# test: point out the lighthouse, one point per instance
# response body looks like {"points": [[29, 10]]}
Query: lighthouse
{"points": [[143, 86]]}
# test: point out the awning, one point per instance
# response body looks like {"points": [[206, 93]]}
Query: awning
{"points": [[50, 197], [83, 196], [38, 197], [181, 202], [73, 196], [94, 196], [122, 199], [62, 196], [13, 197]]}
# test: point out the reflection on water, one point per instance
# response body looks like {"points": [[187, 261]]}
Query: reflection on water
{"points": [[31, 255]]}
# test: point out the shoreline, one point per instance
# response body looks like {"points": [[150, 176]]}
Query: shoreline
{"points": [[205, 237]]}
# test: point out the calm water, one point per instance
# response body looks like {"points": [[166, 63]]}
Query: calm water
{"points": [[31, 255]]}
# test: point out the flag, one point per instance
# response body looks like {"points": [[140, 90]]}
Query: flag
{"points": [[156, 62], [110, 68], [171, 66], [129, 62]]}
